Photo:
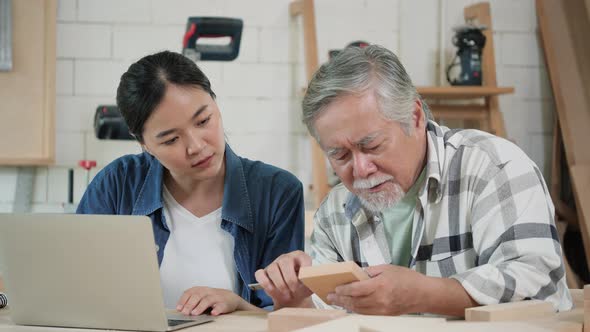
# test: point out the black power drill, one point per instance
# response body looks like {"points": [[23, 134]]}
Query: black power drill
{"points": [[470, 41]]}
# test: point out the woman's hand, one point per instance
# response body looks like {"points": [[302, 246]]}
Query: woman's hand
{"points": [[195, 301]]}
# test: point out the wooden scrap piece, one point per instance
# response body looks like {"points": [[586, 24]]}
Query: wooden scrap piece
{"points": [[323, 279], [510, 311], [370, 323], [290, 319], [586, 308]]}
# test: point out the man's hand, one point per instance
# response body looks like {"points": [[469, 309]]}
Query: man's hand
{"points": [[196, 300], [279, 280], [392, 290], [396, 290]]}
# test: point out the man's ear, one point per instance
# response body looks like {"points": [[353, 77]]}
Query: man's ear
{"points": [[418, 117]]}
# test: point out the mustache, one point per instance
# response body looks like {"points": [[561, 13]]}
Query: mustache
{"points": [[371, 182]]}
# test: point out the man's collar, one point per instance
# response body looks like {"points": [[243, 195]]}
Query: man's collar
{"points": [[434, 161]]}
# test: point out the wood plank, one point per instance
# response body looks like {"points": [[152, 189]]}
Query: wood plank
{"points": [[306, 9], [357, 323], [459, 112], [568, 59], [560, 24], [290, 319], [323, 279], [296, 7], [27, 112], [580, 175], [462, 92], [509, 311], [481, 13]]}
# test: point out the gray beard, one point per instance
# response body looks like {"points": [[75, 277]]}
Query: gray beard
{"points": [[377, 202]]}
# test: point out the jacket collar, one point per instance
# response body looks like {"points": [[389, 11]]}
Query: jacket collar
{"points": [[236, 207]]}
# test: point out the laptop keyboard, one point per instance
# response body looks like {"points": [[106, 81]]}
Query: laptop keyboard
{"points": [[174, 322]]}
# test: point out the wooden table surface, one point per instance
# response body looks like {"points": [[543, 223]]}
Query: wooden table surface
{"points": [[570, 321]]}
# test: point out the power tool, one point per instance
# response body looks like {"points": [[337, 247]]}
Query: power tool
{"points": [[469, 40], [108, 121]]}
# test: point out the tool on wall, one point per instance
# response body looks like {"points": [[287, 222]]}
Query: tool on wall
{"points": [[108, 121], [208, 28], [470, 41], [5, 35], [109, 124]]}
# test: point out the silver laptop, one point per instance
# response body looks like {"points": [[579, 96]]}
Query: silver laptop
{"points": [[88, 271]]}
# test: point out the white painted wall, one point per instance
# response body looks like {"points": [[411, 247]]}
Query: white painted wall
{"points": [[259, 92]]}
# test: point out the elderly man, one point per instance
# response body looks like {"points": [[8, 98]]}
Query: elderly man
{"points": [[442, 220]]}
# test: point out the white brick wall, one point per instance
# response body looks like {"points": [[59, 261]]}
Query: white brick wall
{"points": [[131, 42], [64, 84], [258, 93], [128, 11], [89, 41], [98, 77]]}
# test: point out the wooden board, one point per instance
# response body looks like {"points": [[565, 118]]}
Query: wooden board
{"points": [[481, 14], [509, 311], [290, 319], [462, 92], [366, 323], [306, 9], [564, 31], [27, 110], [323, 279], [564, 27], [580, 175]]}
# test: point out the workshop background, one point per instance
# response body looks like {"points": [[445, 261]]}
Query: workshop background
{"points": [[259, 93]]}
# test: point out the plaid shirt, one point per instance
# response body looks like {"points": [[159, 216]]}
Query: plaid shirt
{"points": [[483, 217]]}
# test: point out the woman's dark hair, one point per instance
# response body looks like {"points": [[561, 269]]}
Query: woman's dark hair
{"points": [[143, 86]]}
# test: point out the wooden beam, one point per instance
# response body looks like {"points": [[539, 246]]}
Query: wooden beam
{"points": [[296, 7], [320, 187], [462, 92], [509, 311], [481, 13], [458, 112], [560, 24], [581, 183], [323, 279]]}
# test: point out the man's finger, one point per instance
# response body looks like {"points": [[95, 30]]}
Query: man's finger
{"points": [[376, 270], [357, 288]]}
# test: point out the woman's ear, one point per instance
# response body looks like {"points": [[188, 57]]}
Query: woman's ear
{"points": [[144, 148]]}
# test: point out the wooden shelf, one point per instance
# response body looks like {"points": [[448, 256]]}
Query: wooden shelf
{"points": [[462, 92]]}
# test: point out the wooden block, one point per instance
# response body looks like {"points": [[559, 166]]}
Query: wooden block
{"points": [[586, 292], [290, 319], [510, 311], [366, 323], [323, 279], [577, 298], [586, 315]]}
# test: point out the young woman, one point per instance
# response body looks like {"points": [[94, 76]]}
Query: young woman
{"points": [[217, 217]]}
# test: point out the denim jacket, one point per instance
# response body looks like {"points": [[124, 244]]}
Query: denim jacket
{"points": [[262, 209]]}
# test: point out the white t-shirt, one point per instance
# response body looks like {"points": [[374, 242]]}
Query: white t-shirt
{"points": [[197, 253]]}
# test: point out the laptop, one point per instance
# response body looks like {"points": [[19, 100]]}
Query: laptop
{"points": [[85, 271]]}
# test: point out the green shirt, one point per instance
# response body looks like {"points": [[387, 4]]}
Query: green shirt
{"points": [[398, 221]]}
